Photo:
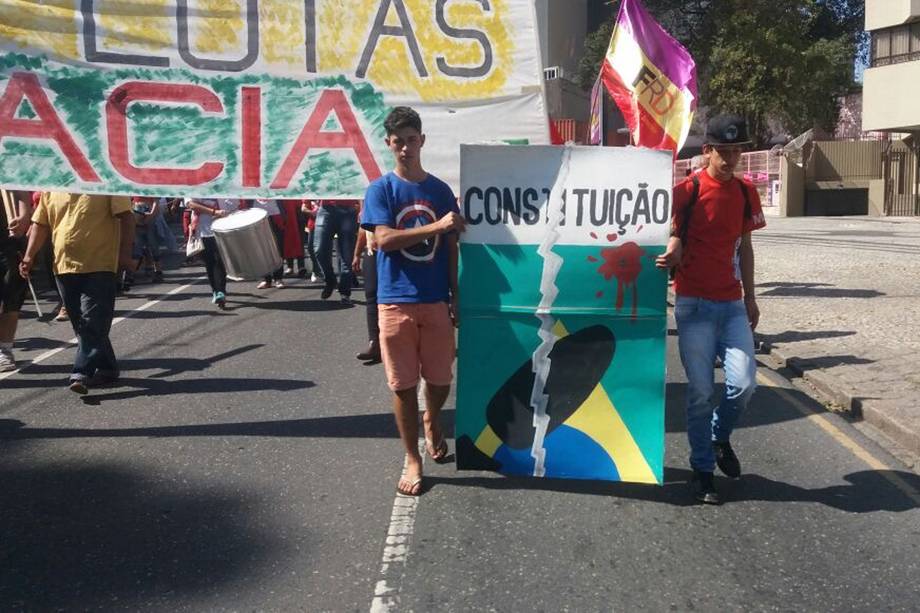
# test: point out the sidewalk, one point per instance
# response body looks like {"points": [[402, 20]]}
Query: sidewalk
{"points": [[840, 306]]}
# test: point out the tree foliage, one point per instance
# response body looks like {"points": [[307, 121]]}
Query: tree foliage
{"points": [[772, 61]]}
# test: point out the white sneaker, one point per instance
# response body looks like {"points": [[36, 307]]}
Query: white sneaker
{"points": [[263, 285], [278, 284], [7, 361], [288, 270], [314, 278]]}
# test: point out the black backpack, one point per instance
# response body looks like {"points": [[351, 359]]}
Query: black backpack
{"points": [[688, 210]]}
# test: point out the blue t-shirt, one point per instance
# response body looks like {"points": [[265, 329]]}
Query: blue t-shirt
{"points": [[418, 273]]}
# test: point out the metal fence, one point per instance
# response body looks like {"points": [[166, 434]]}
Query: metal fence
{"points": [[901, 166], [845, 161], [761, 168]]}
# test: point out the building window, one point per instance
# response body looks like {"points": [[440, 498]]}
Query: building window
{"points": [[896, 45]]}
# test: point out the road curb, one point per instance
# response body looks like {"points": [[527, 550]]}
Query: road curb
{"points": [[834, 390]]}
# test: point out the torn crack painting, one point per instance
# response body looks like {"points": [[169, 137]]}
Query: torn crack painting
{"points": [[552, 381]]}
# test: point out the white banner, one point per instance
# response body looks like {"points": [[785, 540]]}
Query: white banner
{"points": [[255, 97], [509, 195]]}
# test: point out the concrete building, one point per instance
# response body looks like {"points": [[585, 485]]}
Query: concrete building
{"points": [[563, 26], [891, 88], [891, 84]]}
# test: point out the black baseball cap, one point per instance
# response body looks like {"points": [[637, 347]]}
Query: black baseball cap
{"points": [[727, 130]]}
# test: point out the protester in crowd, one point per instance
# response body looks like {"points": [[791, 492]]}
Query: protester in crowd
{"points": [[715, 308], [309, 208], [146, 236], [47, 264], [186, 220], [337, 218], [91, 237], [206, 210], [166, 209], [417, 287], [365, 260], [276, 222], [294, 237], [699, 163], [14, 224]]}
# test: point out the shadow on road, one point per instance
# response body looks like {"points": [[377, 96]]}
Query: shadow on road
{"points": [[828, 361], [796, 336], [102, 537], [868, 491], [168, 314], [296, 306], [815, 290], [168, 366], [143, 387], [378, 425]]}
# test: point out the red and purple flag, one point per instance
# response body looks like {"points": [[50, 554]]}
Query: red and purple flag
{"points": [[652, 79]]}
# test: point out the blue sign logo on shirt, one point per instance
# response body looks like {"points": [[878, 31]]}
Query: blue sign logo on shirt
{"points": [[415, 215]]}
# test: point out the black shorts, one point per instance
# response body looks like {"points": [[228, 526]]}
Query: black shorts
{"points": [[12, 286]]}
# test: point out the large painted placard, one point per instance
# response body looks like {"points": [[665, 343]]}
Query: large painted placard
{"points": [[255, 97], [561, 359]]}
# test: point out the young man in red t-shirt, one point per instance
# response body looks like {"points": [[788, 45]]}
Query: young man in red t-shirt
{"points": [[716, 310]]}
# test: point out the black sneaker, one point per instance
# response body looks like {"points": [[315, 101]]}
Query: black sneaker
{"points": [[78, 386], [727, 460], [327, 291], [371, 354], [704, 489], [346, 300]]}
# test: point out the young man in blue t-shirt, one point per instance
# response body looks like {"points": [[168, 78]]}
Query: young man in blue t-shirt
{"points": [[415, 220]]}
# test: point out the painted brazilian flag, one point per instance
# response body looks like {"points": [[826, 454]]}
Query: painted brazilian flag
{"points": [[561, 361]]}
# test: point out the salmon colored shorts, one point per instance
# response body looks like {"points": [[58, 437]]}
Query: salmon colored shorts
{"points": [[416, 339]]}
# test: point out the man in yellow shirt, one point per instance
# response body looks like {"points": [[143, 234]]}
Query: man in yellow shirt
{"points": [[91, 238]]}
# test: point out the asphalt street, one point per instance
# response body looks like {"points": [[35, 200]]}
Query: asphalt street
{"points": [[247, 462]]}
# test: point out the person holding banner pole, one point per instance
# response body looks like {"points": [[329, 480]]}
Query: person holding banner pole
{"points": [[365, 261], [336, 220], [415, 220], [715, 309], [14, 224]]}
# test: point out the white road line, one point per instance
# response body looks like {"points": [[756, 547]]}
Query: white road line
{"points": [[73, 342], [396, 550]]}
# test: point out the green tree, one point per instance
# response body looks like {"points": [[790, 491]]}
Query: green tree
{"points": [[768, 61], [589, 65]]}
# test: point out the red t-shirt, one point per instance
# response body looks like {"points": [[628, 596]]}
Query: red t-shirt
{"points": [[711, 263]]}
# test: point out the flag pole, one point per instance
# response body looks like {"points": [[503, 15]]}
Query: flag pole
{"points": [[603, 122]]}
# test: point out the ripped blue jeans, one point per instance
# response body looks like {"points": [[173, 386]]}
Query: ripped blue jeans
{"points": [[706, 329]]}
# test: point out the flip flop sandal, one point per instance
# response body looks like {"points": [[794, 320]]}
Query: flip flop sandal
{"points": [[438, 452], [410, 491]]}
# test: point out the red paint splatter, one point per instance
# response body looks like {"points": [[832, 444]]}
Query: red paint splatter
{"points": [[599, 295], [593, 235], [612, 237], [624, 263], [591, 258]]}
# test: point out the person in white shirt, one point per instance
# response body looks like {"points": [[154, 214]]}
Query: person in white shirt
{"points": [[205, 211]]}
